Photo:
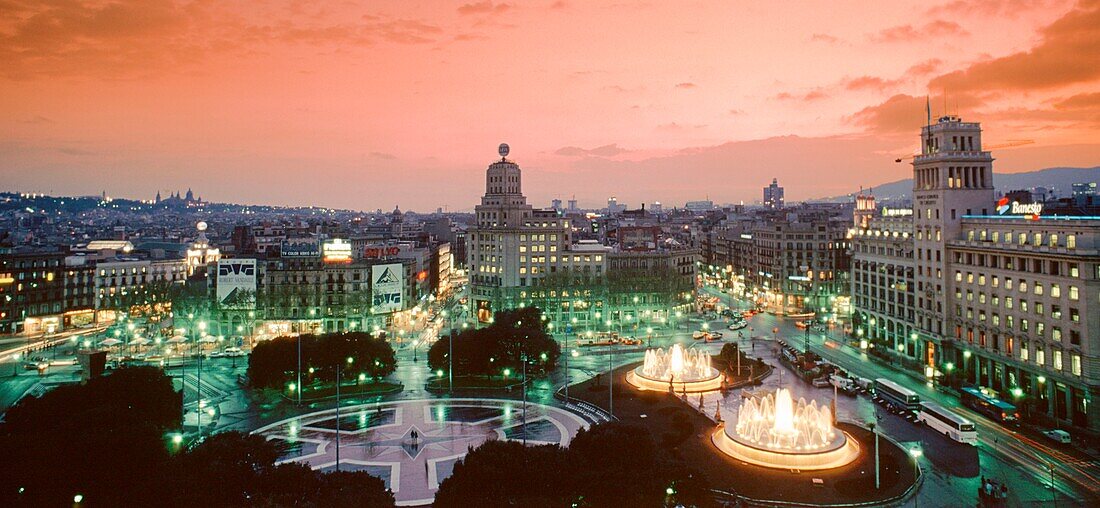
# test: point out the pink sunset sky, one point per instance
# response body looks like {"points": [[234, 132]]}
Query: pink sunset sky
{"points": [[375, 104]]}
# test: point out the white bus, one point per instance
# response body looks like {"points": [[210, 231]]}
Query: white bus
{"points": [[949, 424], [897, 395]]}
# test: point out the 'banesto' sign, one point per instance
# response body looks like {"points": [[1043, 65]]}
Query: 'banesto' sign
{"points": [[1017, 208]]}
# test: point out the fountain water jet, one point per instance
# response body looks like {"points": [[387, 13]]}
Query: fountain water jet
{"points": [[687, 370], [775, 431]]}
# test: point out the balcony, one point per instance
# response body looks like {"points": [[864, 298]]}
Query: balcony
{"points": [[950, 155]]}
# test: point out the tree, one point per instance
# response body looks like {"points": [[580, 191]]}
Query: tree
{"points": [[610, 464], [236, 469], [108, 442], [93, 439], [274, 363], [507, 473], [515, 336]]}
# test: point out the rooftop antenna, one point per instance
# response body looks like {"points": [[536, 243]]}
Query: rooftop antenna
{"points": [[928, 110]]}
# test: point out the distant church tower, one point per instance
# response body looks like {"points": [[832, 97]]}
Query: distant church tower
{"points": [[158, 197]]}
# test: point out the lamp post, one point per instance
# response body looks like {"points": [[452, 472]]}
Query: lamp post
{"points": [[339, 369], [525, 395], [610, 377], [299, 386], [451, 362], [198, 395], [875, 431]]}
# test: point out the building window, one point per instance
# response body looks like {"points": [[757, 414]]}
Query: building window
{"points": [[1075, 363], [1057, 359], [1073, 294]]}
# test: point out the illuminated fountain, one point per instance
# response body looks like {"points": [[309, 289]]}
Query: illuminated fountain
{"points": [[775, 431], [680, 369]]}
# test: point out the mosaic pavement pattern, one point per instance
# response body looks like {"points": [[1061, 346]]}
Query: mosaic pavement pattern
{"points": [[378, 438]]}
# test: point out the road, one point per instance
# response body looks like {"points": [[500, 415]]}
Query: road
{"points": [[1005, 453]]}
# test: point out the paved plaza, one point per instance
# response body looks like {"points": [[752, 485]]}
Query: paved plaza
{"points": [[413, 445]]}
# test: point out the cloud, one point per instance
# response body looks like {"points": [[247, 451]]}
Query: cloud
{"points": [[685, 85], [988, 8], [1080, 101], [132, 38], [870, 83], [736, 112], [37, 120], [600, 151], [1069, 53], [559, 5], [924, 68], [907, 33], [904, 113], [76, 152], [486, 7], [470, 37], [678, 127], [824, 38], [674, 178], [810, 96]]}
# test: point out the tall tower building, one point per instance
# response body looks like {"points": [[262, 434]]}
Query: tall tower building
{"points": [[952, 178], [865, 209], [773, 195], [513, 244]]}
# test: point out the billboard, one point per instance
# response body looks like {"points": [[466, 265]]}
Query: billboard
{"points": [[237, 283], [336, 251], [386, 284], [300, 248], [379, 251]]}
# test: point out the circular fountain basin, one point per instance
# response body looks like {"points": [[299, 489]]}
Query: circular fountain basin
{"points": [[676, 369], [843, 452], [773, 431], [707, 384]]}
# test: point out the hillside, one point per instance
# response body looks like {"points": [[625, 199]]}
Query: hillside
{"points": [[1059, 179]]}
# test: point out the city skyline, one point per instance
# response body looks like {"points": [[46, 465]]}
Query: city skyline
{"points": [[212, 96]]}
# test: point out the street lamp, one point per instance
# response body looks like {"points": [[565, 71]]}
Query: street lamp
{"points": [[875, 431], [339, 369]]}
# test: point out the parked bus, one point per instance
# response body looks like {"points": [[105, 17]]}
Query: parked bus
{"points": [[897, 395], [947, 423], [988, 404]]}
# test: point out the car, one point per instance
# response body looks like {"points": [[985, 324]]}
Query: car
{"points": [[821, 382], [1058, 435], [216, 354], [33, 365], [630, 341], [802, 325], [737, 325], [233, 352], [698, 335]]}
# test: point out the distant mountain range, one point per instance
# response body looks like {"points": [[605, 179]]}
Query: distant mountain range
{"points": [[1059, 179]]}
